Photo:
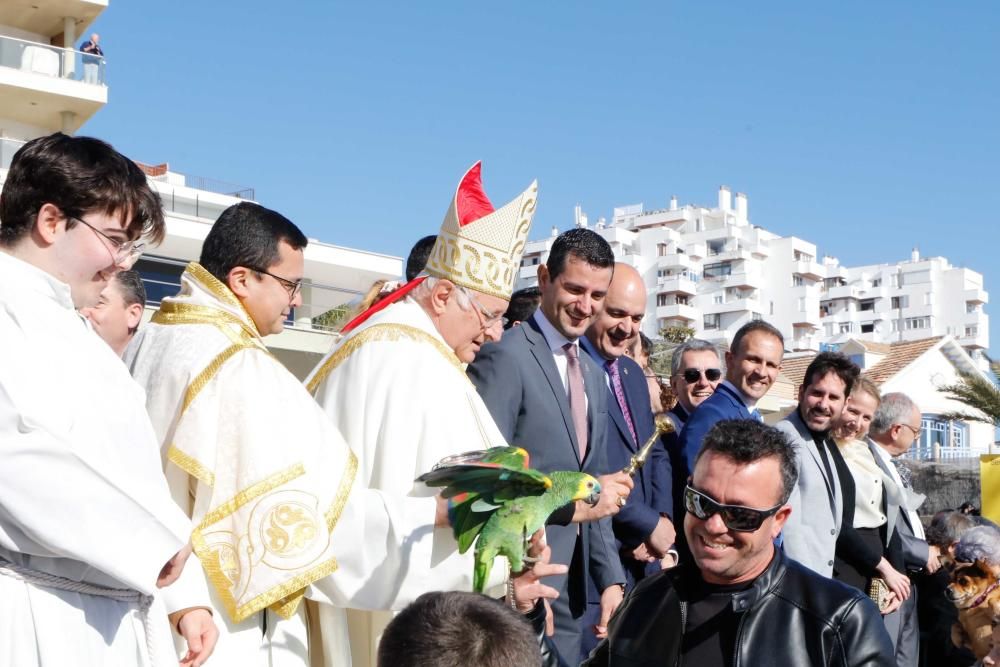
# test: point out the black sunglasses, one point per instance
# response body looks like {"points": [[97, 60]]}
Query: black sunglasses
{"points": [[692, 375], [736, 517]]}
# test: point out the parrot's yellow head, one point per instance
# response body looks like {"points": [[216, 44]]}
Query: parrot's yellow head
{"points": [[588, 489]]}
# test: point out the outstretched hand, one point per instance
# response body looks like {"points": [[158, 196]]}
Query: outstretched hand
{"points": [[528, 587]]}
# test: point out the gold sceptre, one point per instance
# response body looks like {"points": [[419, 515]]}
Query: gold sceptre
{"points": [[663, 426]]}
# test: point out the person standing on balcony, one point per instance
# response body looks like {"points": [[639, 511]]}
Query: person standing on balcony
{"points": [[395, 386], [92, 57], [89, 535], [117, 314], [269, 482]]}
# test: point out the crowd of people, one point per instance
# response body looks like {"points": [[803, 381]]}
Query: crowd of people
{"points": [[172, 493]]}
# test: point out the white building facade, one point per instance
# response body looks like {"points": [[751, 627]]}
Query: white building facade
{"points": [[711, 270]]}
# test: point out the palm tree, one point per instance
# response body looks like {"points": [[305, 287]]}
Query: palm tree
{"points": [[977, 392]]}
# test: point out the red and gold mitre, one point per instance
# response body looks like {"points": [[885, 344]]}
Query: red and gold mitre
{"points": [[478, 247]]}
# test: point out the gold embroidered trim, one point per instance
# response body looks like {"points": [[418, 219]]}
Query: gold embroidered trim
{"points": [[250, 493], [206, 375], [190, 465], [213, 285], [337, 507], [378, 332], [173, 312]]}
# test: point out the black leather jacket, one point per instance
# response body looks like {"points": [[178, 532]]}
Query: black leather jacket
{"points": [[792, 616]]}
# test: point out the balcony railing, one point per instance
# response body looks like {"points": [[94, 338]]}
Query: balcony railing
{"points": [[53, 61]]}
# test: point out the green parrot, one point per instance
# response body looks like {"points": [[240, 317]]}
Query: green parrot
{"points": [[495, 496]]}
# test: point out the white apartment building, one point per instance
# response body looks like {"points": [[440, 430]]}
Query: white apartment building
{"points": [[43, 90], [711, 270]]}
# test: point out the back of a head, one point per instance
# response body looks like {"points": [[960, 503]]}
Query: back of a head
{"points": [[77, 175], [248, 235], [131, 287], [895, 408], [745, 441], [456, 628], [417, 259], [523, 303], [583, 244]]}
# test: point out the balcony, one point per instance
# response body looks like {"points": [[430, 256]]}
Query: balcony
{"points": [[682, 284], [48, 18], [734, 306], [678, 311], [743, 280], [676, 261], [48, 86], [977, 296], [809, 269], [841, 292]]}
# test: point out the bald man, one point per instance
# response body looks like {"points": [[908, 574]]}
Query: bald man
{"points": [[644, 535]]}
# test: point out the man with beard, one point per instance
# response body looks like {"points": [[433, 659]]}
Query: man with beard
{"points": [[741, 601], [817, 501]]}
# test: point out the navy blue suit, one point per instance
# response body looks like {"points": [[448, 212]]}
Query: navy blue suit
{"points": [[634, 523], [723, 404]]}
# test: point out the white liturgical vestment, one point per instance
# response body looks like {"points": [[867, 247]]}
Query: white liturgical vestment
{"points": [[401, 399], [270, 486], [82, 496]]}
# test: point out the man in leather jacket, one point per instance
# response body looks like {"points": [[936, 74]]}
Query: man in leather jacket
{"points": [[742, 602]]}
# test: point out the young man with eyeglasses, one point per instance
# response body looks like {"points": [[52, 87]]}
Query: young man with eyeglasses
{"points": [[88, 532], [395, 385], [272, 487], [742, 601]]}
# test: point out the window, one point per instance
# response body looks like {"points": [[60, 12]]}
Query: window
{"points": [[661, 249], [868, 328], [756, 316], [661, 299], [846, 327], [716, 247], [900, 302], [161, 278], [797, 280], [876, 282], [711, 321], [717, 298], [681, 299], [718, 270], [971, 307], [867, 304], [918, 323], [940, 439], [971, 332]]}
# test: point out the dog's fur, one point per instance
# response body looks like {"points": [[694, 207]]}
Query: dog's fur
{"points": [[975, 624]]}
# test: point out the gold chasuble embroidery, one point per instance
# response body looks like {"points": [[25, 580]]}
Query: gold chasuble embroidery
{"points": [[263, 540]]}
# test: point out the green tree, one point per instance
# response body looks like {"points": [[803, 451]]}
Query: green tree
{"points": [[977, 392], [332, 319], [677, 334]]}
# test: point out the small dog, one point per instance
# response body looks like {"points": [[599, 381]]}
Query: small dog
{"points": [[975, 591]]}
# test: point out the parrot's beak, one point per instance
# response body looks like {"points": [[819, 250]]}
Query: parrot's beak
{"points": [[593, 498]]}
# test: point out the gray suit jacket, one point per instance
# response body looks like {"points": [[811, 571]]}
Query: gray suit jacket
{"points": [[520, 384], [915, 550], [810, 534]]}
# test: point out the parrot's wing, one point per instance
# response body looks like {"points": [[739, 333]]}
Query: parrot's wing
{"points": [[490, 481], [514, 458]]}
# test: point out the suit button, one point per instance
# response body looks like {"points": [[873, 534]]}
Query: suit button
{"points": [[830, 563], [833, 531]]}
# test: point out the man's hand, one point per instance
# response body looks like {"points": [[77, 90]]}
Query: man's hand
{"points": [[528, 588], [662, 537], [610, 599], [933, 560], [172, 570], [198, 629], [615, 489], [894, 603], [441, 519], [641, 554]]}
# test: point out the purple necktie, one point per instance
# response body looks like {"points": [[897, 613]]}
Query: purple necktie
{"points": [[577, 397], [616, 384]]}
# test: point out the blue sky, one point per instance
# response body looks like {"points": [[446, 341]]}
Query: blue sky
{"points": [[864, 127]]}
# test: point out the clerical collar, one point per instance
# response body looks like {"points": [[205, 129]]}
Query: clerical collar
{"points": [[750, 403], [552, 336]]}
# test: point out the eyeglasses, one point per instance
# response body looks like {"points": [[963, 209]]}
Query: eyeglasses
{"points": [[916, 431], [692, 375], [489, 317], [291, 286], [124, 253], [736, 517]]}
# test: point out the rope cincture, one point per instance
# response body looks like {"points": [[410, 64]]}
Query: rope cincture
{"points": [[127, 595]]}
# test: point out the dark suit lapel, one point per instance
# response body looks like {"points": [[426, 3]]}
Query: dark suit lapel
{"points": [[543, 355]]}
